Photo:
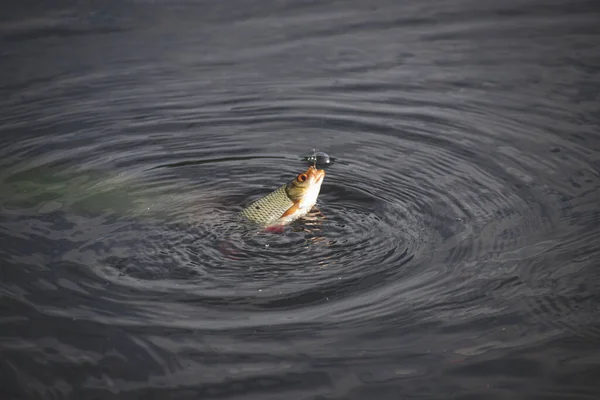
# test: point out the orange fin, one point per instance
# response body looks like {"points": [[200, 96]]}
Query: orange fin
{"points": [[291, 210]]}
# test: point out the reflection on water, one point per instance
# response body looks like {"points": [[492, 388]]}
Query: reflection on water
{"points": [[453, 250]]}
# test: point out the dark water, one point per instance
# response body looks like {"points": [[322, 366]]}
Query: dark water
{"points": [[457, 251]]}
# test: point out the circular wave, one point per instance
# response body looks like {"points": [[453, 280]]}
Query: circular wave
{"points": [[403, 194], [406, 216]]}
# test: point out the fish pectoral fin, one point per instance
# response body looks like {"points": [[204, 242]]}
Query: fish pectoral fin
{"points": [[293, 209]]}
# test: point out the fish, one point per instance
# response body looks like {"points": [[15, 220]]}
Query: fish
{"points": [[287, 203]]}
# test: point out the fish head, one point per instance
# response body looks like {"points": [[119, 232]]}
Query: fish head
{"points": [[305, 188]]}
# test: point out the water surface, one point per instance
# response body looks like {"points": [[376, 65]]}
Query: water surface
{"points": [[454, 253]]}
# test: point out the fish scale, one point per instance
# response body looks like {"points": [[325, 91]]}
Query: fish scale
{"points": [[268, 209]]}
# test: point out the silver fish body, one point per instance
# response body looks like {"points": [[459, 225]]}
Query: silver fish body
{"points": [[287, 203], [268, 209]]}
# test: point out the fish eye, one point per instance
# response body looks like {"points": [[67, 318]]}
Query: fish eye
{"points": [[302, 177]]}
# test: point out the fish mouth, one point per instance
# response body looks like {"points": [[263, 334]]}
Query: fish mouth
{"points": [[316, 175], [320, 176]]}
